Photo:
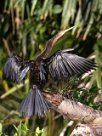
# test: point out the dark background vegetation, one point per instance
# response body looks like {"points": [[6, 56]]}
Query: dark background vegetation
{"points": [[25, 26]]}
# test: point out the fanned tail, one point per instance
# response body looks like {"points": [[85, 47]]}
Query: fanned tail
{"points": [[34, 103]]}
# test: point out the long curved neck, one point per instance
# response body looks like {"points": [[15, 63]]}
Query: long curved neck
{"points": [[51, 42]]}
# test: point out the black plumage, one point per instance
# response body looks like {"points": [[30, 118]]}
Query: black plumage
{"points": [[16, 68], [64, 64], [34, 103], [61, 65]]}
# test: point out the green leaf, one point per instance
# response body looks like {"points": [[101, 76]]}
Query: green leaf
{"points": [[0, 128], [57, 9], [38, 131]]}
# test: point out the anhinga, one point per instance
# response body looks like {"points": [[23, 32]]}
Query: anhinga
{"points": [[61, 65]]}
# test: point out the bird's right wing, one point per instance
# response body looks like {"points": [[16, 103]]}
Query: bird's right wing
{"points": [[15, 69], [65, 64]]}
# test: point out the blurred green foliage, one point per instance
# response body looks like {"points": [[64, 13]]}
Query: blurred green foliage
{"points": [[25, 26]]}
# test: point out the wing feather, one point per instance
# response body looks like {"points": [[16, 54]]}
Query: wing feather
{"points": [[15, 69], [64, 64]]}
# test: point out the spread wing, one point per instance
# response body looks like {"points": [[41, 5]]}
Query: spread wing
{"points": [[15, 69], [64, 64]]}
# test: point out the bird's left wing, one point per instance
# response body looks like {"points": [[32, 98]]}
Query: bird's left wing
{"points": [[64, 64], [15, 69]]}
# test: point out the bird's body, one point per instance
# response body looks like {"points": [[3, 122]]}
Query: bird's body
{"points": [[61, 65], [35, 74]]}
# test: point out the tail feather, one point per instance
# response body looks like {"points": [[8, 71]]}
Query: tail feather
{"points": [[34, 103], [44, 106]]}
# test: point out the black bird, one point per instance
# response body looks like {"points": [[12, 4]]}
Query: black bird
{"points": [[61, 65]]}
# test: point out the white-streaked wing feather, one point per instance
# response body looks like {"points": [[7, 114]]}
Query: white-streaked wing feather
{"points": [[64, 64], [15, 69]]}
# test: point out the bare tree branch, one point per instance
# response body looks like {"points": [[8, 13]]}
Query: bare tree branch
{"points": [[78, 112], [75, 111], [87, 130]]}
